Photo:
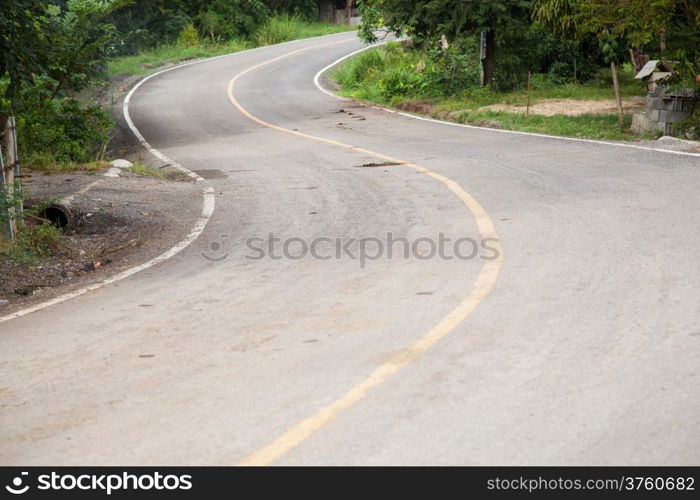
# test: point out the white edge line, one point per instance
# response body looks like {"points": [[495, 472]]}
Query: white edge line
{"points": [[498, 130]]}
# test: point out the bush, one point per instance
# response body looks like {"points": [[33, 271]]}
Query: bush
{"points": [[690, 127], [54, 130], [228, 19], [61, 130], [189, 37], [34, 242], [278, 29], [395, 71], [448, 72]]}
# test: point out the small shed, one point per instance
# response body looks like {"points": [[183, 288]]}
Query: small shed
{"points": [[652, 72]]}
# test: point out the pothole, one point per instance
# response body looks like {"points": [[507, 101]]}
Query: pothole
{"points": [[379, 164]]}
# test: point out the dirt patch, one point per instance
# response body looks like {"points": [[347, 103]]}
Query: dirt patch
{"points": [[417, 107], [572, 107]]}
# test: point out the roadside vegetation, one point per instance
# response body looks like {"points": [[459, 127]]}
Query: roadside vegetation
{"points": [[401, 76], [192, 45], [146, 171], [33, 243], [470, 61]]}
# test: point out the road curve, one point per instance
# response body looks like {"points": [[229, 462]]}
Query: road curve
{"points": [[579, 344]]}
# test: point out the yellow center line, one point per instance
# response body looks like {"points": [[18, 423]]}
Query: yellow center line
{"points": [[485, 282]]}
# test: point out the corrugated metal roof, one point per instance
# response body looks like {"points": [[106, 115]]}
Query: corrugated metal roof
{"points": [[650, 67]]}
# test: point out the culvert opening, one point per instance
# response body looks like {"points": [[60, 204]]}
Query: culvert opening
{"points": [[58, 216]]}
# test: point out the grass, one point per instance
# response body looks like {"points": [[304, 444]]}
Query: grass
{"points": [[146, 61], [47, 164], [145, 170], [32, 243], [387, 76], [277, 30], [587, 126], [284, 28]]}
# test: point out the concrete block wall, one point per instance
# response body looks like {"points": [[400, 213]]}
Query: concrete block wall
{"points": [[662, 112]]}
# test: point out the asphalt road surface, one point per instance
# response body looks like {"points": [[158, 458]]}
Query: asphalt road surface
{"points": [[569, 335]]}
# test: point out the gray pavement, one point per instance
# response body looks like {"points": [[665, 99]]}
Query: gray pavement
{"points": [[585, 352]]}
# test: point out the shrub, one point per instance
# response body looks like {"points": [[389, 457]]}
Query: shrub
{"points": [[278, 29], [189, 37], [690, 127], [34, 242], [61, 130]]}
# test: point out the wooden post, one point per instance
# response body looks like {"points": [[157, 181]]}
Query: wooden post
{"points": [[18, 177], [618, 99], [4, 210], [529, 87], [9, 170], [348, 11]]}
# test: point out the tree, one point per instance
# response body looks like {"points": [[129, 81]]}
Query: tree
{"points": [[20, 48], [668, 26], [429, 20], [64, 48]]}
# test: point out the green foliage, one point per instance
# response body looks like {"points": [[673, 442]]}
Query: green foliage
{"points": [[302, 9], [394, 72], [68, 47], [227, 19], [63, 130], [285, 27], [189, 37], [667, 29], [146, 171], [690, 127], [589, 126], [427, 20], [8, 202], [452, 70], [145, 61], [33, 243], [394, 76], [20, 36], [64, 46]]}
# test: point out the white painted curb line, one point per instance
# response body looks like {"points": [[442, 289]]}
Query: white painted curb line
{"points": [[496, 130]]}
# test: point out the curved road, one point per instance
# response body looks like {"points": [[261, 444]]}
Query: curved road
{"points": [[579, 344]]}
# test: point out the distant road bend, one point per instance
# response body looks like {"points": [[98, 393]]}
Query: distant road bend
{"points": [[571, 336]]}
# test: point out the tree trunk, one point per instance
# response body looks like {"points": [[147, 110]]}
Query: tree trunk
{"points": [[618, 99], [8, 177], [633, 59], [662, 42], [489, 62]]}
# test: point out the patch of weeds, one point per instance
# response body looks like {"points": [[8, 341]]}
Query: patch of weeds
{"points": [[588, 126], [45, 162], [146, 171], [32, 243]]}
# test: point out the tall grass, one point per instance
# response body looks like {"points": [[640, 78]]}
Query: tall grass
{"points": [[285, 27], [278, 29], [144, 62]]}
